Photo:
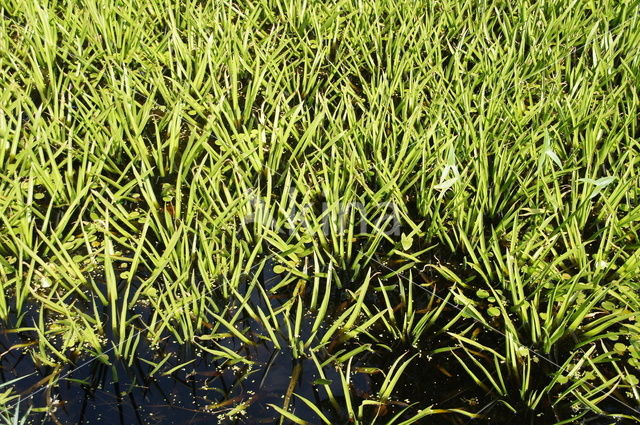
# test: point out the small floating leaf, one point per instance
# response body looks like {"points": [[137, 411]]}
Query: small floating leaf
{"points": [[406, 241], [493, 311], [482, 293], [620, 347]]}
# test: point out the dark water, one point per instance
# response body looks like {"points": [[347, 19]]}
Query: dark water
{"points": [[208, 390]]}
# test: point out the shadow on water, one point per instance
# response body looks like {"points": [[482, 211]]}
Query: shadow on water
{"points": [[204, 389], [195, 387]]}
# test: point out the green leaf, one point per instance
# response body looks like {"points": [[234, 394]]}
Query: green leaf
{"points": [[493, 311], [482, 293], [619, 347], [406, 241]]}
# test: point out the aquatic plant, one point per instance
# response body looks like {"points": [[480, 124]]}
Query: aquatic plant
{"points": [[372, 191]]}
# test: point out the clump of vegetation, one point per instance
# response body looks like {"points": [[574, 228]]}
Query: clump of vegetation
{"points": [[390, 195]]}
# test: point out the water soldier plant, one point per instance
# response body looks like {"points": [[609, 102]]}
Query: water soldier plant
{"points": [[289, 211]]}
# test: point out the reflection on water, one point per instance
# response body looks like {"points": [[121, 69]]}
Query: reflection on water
{"points": [[203, 390], [209, 390]]}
